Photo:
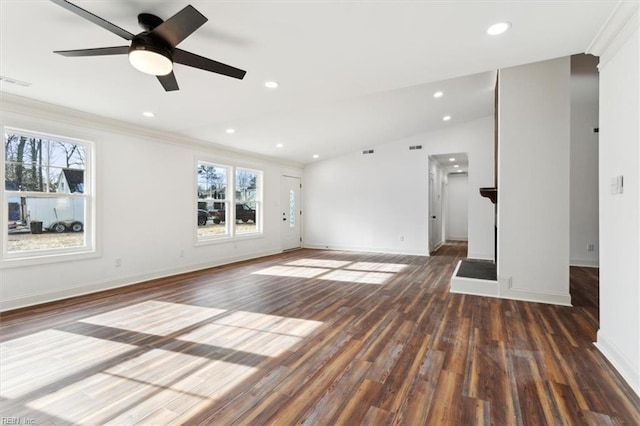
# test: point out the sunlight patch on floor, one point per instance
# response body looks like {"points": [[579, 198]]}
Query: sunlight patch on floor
{"points": [[319, 263], [135, 389], [32, 362], [255, 333], [292, 271], [154, 317], [377, 267], [362, 277]]}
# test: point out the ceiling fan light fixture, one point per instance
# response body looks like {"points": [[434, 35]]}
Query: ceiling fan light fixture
{"points": [[150, 61]]}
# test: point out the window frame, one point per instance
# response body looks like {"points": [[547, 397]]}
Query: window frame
{"points": [[42, 256], [228, 184], [257, 200], [230, 204]]}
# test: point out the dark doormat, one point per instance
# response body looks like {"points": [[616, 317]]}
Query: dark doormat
{"points": [[478, 269]]}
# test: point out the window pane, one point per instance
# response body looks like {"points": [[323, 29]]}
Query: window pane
{"points": [[212, 182], [246, 214], [25, 177], [36, 164], [37, 223], [292, 209], [246, 192], [246, 185], [212, 200], [65, 155]]}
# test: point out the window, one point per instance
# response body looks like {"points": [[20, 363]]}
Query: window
{"points": [[247, 201], [213, 204], [229, 201], [47, 184]]}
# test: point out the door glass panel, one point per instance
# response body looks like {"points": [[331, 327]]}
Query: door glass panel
{"points": [[292, 209]]}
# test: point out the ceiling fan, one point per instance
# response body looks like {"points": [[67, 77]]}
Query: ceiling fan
{"points": [[153, 51]]}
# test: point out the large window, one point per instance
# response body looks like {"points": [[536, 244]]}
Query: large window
{"points": [[47, 196], [229, 201]]}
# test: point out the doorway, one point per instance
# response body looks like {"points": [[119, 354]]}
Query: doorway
{"points": [[442, 203], [291, 209]]}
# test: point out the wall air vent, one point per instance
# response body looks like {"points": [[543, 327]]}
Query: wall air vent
{"points": [[413, 147], [14, 81], [367, 151]]}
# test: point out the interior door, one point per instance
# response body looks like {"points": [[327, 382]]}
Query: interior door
{"points": [[291, 209]]}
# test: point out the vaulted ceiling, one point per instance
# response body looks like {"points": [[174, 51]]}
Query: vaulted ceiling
{"points": [[351, 73]]}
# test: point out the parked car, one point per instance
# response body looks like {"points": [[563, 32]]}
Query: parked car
{"points": [[243, 213], [203, 217]]}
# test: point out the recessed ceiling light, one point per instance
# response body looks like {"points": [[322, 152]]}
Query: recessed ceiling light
{"points": [[231, 131], [271, 84], [452, 159], [438, 94], [316, 156], [446, 118], [459, 171], [148, 114], [498, 28], [279, 145], [456, 166]]}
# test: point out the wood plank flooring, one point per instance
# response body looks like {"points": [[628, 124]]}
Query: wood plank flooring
{"points": [[311, 337]]}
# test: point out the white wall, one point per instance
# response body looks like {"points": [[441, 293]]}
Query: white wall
{"points": [[457, 211], [584, 161], [533, 182], [368, 202], [619, 334], [146, 198]]}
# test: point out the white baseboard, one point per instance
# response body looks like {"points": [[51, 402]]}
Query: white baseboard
{"points": [[629, 372], [503, 289], [480, 256], [473, 286], [368, 249], [27, 300], [586, 263]]}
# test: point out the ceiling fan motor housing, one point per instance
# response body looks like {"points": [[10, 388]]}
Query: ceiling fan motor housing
{"points": [[148, 21]]}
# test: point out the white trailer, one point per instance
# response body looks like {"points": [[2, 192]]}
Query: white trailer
{"points": [[58, 214]]}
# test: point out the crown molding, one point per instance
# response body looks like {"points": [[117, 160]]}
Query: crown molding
{"points": [[621, 23], [43, 110]]}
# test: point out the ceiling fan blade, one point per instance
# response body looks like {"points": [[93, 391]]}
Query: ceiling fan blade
{"points": [[169, 82], [95, 19], [100, 51], [180, 26], [191, 59]]}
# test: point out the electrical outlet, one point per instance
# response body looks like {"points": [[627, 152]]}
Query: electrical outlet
{"points": [[401, 237], [591, 247], [181, 252], [118, 262]]}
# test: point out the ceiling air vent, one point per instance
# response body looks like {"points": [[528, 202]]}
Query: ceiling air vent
{"points": [[413, 147], [367, 151], [14, 81]]}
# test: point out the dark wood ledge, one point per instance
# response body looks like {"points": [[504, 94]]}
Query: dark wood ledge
{"points": [[490, 193]]}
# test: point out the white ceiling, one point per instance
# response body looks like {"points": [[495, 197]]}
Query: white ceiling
{"points": [[351, 73]]}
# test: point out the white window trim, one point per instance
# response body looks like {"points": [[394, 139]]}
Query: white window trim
{"points": [[37, 257]]}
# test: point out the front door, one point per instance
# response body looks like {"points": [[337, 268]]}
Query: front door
{"points": [[291, 210]]}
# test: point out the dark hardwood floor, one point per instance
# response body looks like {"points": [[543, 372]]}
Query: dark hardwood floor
{"points": [[312, 337]]}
